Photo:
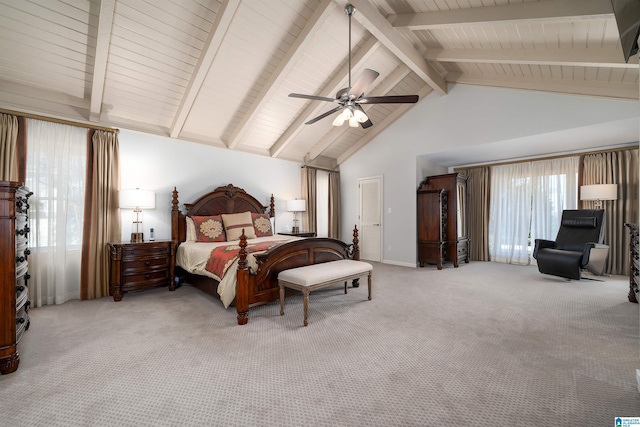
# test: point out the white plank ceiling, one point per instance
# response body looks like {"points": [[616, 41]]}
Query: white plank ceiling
{"points": [[219, 72]]}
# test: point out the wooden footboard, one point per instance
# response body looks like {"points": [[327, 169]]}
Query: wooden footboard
{"points": [[261, 286]]}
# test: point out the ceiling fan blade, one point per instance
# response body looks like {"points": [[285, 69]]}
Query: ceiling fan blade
{"points": [[366, 124], [323, 115], [392, 99], [314, 97], [363, 82]]}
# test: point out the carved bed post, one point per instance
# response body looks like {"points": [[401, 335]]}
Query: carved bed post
{"points": [[356, 253], [272, 208], [356, 248], [175, 215], [242, 284]]}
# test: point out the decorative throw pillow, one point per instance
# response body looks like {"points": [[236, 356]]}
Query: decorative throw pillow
{"points": [[262, 224], [191, 230], [234, 223], [209, 228]]}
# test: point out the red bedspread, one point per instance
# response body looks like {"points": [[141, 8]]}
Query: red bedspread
{"points": [[223, 257]]}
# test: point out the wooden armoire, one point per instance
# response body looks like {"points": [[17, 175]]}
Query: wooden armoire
{"points": [[442, 220], [14, 276]]}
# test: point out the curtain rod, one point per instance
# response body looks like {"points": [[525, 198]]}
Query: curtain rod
{"points": [[59, 121], [317, 168], [559, 156]]}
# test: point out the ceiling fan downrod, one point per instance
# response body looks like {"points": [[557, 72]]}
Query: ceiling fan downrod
{"points": [[349, 9]]}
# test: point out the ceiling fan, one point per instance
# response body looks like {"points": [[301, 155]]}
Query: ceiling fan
{"points": [[351, 98]]}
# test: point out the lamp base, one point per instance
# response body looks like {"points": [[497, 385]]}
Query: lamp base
{"points": [[137, 237], [295, 229]]}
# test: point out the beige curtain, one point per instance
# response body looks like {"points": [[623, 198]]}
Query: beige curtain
{"points": [[102, 218], [334, 205], [309, 219], [615, 167], [8, 147], [478, 197]]}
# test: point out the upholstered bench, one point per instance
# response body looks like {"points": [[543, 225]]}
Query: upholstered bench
{"points": [[316, 276]]}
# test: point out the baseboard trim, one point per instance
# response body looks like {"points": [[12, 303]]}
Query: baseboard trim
{"points": [[401, 264]]}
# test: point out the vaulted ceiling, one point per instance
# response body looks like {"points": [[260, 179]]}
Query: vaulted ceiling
{"points": [[219, 72]]}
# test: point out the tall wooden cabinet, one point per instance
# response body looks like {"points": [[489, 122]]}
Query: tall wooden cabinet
{"points": [[442, 220], [14, 276]]}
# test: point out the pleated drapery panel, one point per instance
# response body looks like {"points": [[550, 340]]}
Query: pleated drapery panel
{"points": [[478, 196], [334, 205], [8, 147], [309, 218], [621, 168], [102, 224]]}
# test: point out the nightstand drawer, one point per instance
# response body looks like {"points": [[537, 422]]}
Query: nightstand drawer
{"points": [[145, 251], [145, 279], [129, 267]]}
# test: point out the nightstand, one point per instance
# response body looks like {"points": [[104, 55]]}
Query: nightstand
{"points": [[300, 234], [143, 265]]}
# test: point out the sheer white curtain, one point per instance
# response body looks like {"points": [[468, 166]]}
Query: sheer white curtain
{"points": [[527, 200], [510, 213], [555, 188], [56, 173], [322, 203]]}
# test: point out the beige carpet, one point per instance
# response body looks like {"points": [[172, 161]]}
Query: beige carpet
{"points": [[486, 344]]}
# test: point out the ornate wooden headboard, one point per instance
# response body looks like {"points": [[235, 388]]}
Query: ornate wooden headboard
{"points": [[222, 200]]}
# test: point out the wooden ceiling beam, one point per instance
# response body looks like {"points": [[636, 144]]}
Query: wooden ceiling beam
{"points": [[216, 36], [589, 88], [294, 53], [392, 39], [314, 108], [546, 10], [103, 40], [572, 57]]}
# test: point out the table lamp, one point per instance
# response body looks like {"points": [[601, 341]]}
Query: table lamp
{"points": [[137, 200]]}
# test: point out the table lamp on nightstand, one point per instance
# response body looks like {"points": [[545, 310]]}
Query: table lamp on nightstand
{"points": [[137, 200], [296, 206]]}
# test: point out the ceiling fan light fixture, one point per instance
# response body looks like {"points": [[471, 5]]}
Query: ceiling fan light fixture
{"points": [[360, 116], [338, 121], [353, 122]]}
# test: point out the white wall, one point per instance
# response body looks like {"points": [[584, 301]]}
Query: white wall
{"points": [[467, 117], [157, 163]]}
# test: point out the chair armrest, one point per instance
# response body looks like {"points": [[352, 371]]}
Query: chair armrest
{"points": [[541, 244], [594, 257], [587, 251]]}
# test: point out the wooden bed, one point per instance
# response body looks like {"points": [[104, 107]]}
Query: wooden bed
{"points": [[255, 287]]}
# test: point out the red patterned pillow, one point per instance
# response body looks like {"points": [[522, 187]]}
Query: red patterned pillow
{"points": [[209, 228], [262, 224]]}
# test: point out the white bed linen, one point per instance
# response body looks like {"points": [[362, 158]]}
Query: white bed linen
{"points": [[193, 257]]}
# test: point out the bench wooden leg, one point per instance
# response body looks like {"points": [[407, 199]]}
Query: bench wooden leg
{"points": [[281, 300], [305, 299], [369, 286], [345, 287]]}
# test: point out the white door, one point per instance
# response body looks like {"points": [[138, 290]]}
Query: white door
{"points": [[370, 215]]}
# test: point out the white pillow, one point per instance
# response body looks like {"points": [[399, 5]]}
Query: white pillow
{"points": [[191, 230], [235, 223]]}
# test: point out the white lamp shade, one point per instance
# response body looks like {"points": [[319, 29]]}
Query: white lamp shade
{"points": [[599, 192], [297, 205], [137, 198]]}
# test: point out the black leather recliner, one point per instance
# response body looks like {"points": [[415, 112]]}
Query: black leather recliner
{"points": [[578, 245]]}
